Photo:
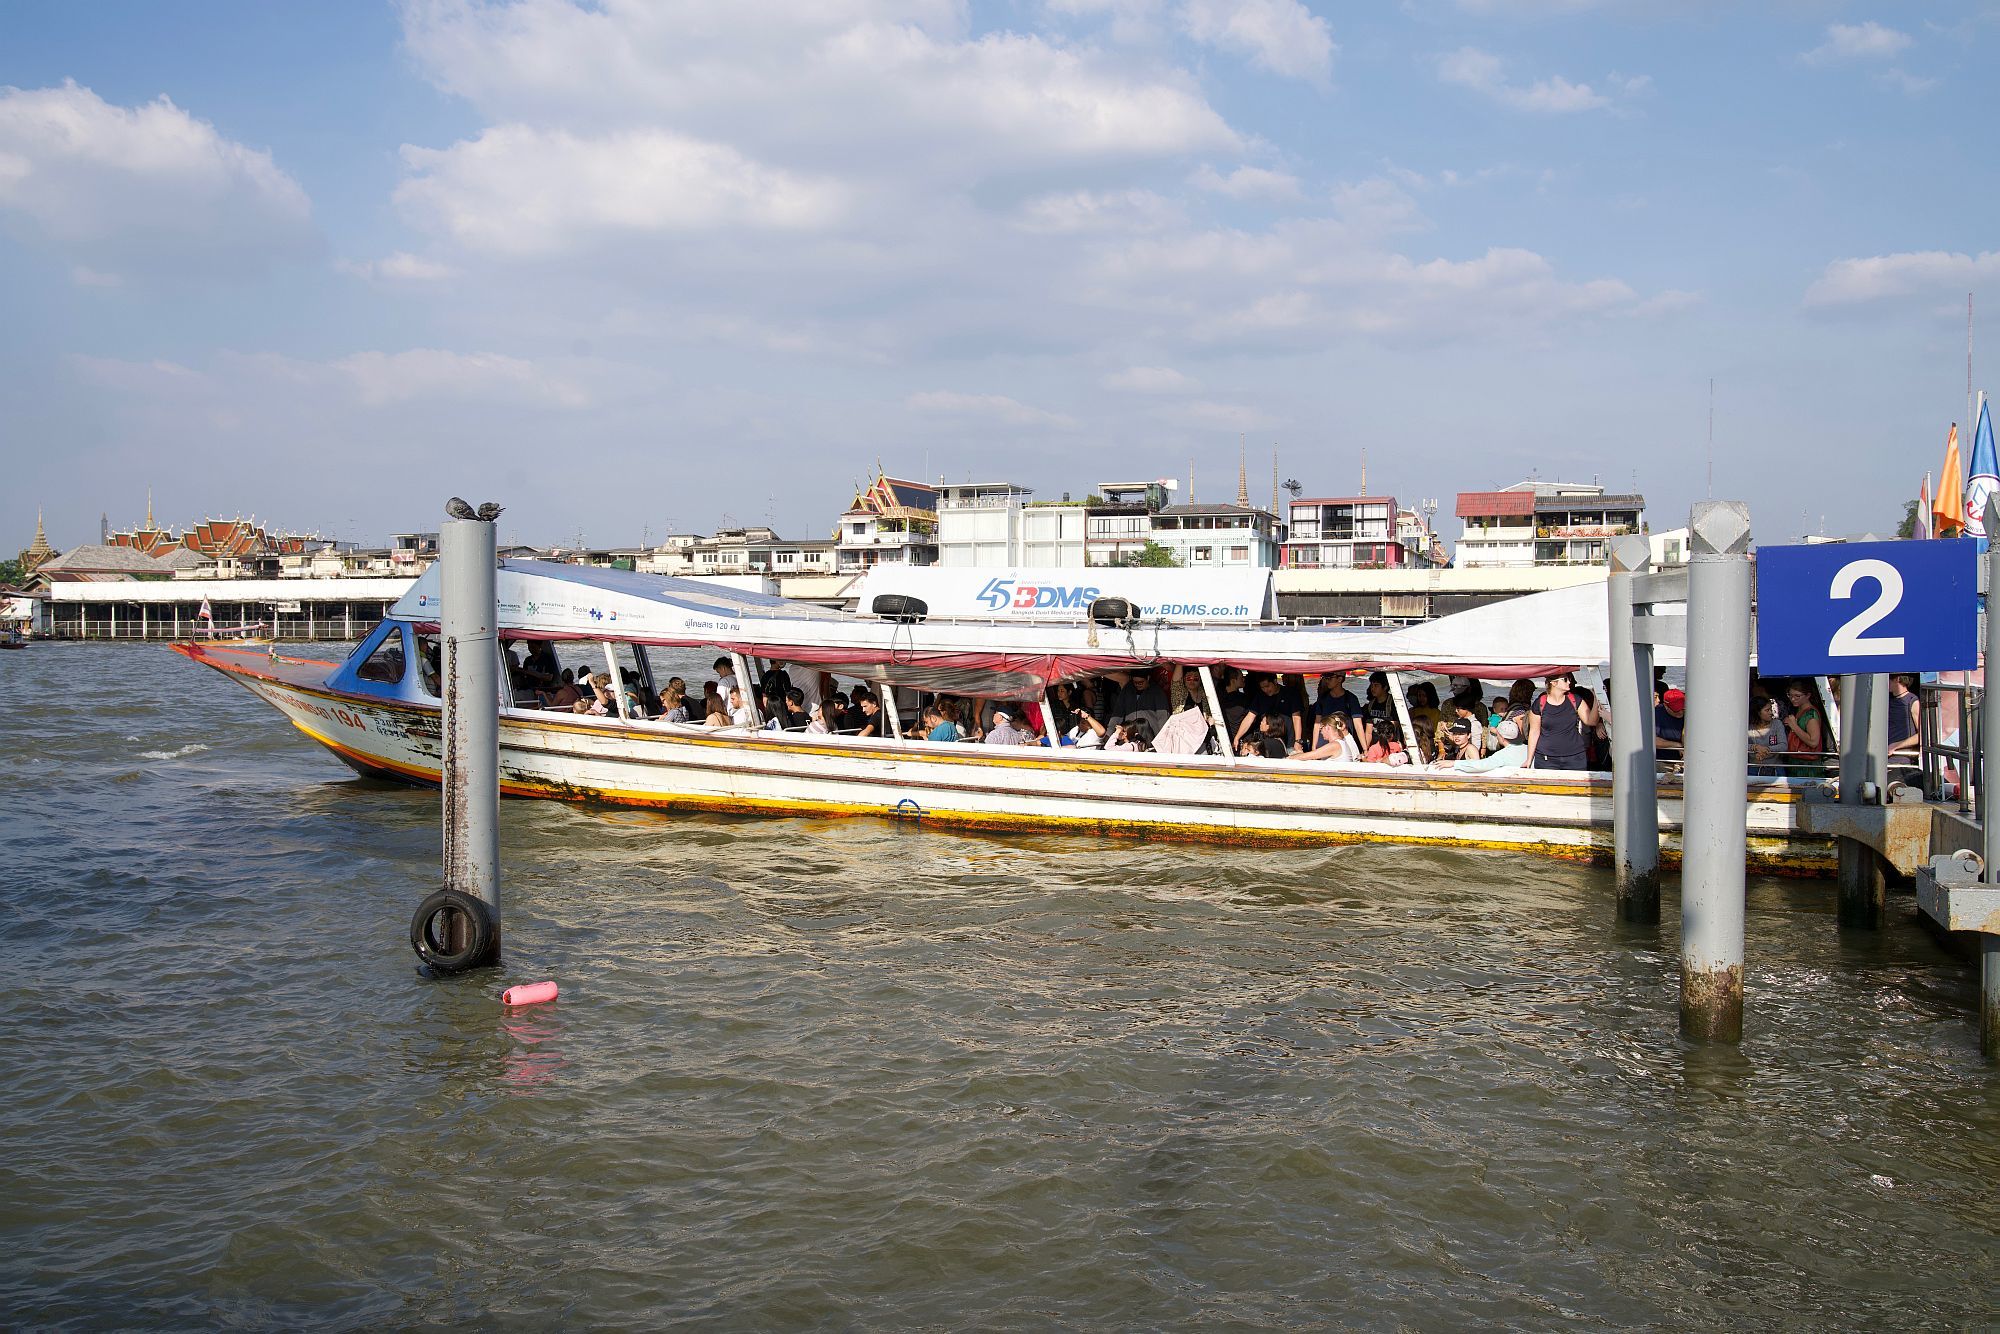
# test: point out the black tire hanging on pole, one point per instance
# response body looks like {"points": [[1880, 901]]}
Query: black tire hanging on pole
{"points": [[430, 926]]}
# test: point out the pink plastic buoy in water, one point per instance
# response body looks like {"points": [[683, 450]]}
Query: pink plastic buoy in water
{"points": [[532, 993]]}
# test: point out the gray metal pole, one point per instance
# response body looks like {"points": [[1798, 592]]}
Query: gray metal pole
{"points": [[1989, 725], [470, 628], [1864, 708], [1716, 782], [1635, 795]]}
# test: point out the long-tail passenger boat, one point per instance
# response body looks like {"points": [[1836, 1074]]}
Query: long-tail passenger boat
{"points": [[379, 712]]}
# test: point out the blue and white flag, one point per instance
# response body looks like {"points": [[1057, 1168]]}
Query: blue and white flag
{"points": [[1985, 478]]}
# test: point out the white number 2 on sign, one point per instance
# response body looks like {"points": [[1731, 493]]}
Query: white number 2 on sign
{"points": [[1848, 641]]}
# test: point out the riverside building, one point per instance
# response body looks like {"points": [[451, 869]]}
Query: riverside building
{"points": [[1544, 523]]}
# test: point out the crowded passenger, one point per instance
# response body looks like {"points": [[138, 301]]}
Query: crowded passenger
{"points": [[1767, 737], [1805, 731], [1512, 752], [1379, 724], [1558, 726], [1334, 697], [816, 720], [1425, 716], [673, 701], [1905, 721], [1333, 738], [1133, 734], [1274, 738], [1669, 723], [1004, 732], [942, 722], [795, 715]]}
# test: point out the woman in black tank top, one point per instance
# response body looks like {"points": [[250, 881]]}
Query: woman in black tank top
{"points": [[1558, 724]]}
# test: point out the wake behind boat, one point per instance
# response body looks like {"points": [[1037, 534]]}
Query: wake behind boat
{"points": [[380, 712]]}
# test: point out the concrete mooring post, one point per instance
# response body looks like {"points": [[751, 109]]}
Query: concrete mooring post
{"points": [[458, 927], [1635, 797], [1864, 771], [1989, 726], [1716, 782]]}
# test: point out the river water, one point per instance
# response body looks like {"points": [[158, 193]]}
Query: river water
{"points": [[854, 1074]]}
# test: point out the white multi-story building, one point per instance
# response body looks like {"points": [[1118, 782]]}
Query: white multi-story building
{"points": [[995, 523], [1218, 536], [1118, 519], [1544, 523], [748, 550]]}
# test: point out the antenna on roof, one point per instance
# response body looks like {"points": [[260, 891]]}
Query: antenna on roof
{"points": [[1364, 470], [1711, 437]]}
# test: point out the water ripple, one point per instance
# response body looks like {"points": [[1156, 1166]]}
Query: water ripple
{"points": [[852, 1074]]}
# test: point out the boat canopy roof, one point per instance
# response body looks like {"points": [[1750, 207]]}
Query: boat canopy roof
{"points": [[1526, 636]]}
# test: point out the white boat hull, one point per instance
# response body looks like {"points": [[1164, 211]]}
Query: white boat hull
{"points": [[968, 786]]}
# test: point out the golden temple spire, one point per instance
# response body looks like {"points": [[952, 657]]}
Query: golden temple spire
{"points": [[1243, 472], [149, 509]]}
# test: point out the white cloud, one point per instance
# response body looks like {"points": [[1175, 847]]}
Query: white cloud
{"points": [[1306, 281], [1246, 183], [1881, 279], [383, 378], [1857, 41], [400, 267], [1528, 8], [1223, 416], [1910, 85], [1097, 211], [993, 407], [149, 189], [520, 191], [1282, 36], [1485, 73], [1150, 380], [847, 86]]}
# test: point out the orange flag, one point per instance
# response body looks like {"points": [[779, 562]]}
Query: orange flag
{"points": [[1949, 507]]}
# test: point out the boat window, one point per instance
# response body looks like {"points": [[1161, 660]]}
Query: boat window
{"points": [[430, 665], [386, 662]]}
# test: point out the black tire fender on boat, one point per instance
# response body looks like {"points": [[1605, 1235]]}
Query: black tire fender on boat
{"points": [[430, 925]]}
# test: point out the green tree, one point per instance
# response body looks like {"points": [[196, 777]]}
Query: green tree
{"points": [[11, 574], [1908, 527], [1152, 556]]}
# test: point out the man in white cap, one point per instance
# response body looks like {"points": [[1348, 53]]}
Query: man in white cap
{"points": [[1004, 733]]}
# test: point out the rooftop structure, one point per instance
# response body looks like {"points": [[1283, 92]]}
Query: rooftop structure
{"points": [[39, 551], [747, 550], [890, 520], [995, 524], [1544, 523], [100, 563], [1218, 536]]}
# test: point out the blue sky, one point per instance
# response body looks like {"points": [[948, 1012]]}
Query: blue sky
{"points": [[639, 267]]}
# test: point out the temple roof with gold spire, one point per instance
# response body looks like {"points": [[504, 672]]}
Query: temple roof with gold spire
{"points": [[38, 550]]}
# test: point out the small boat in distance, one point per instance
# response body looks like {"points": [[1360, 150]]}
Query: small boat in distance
{"points": [[13, 639], [245, 632], [380, 713]]}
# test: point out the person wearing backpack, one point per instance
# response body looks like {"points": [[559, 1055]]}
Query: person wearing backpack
{"points": [[1559, 723]]}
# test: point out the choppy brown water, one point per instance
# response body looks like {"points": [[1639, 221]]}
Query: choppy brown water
{"points": [[859, 1074]]}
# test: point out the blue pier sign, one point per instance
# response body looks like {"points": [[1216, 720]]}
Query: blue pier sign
{"points": [[1837, 608]]}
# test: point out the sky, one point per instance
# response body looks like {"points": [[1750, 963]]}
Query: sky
{"points": [[632, 267]]}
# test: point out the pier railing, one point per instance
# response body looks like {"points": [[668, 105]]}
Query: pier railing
{"points": [[1952, 744]]}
